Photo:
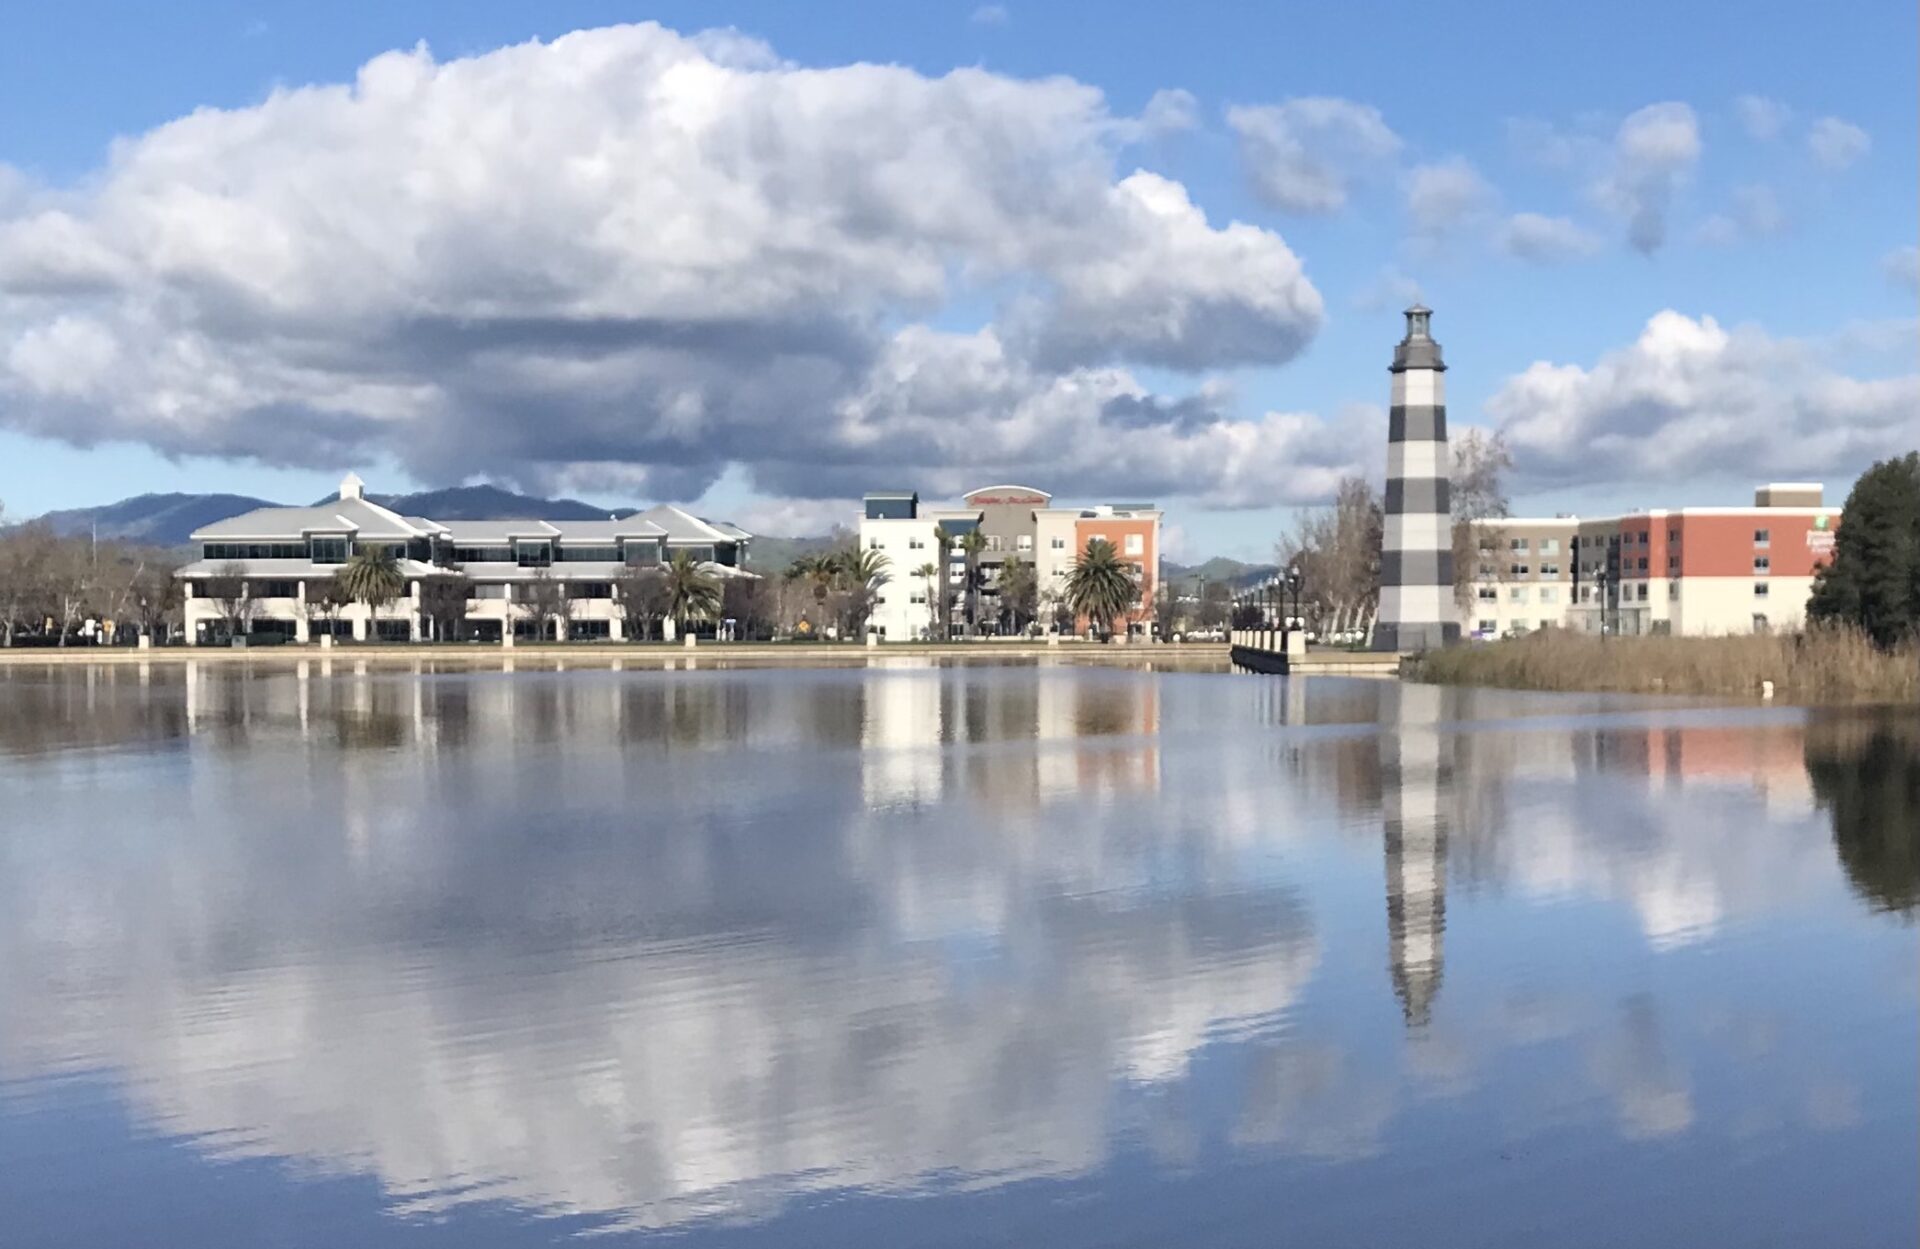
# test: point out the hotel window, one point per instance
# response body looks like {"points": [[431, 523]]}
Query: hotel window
{"points": [[1489, 626], [1549, 594], [915, 544], [1518, 594], [1059, 544], [1673, 536], [1518, 546], [532, 554], [1024, 542], [1641, 594], [1136, 544], [1759, 589], [1486, 572], [1549, 546], [1643, 564], [1549, 571], [1763, 537], [873, 544], [919, 599], [1762, 565], [589, 555], [276, 589], [489, 589], [1517, 570], [1489, 595]]}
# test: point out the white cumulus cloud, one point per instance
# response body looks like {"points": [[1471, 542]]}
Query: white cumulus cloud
{"points": [[1837, 144], [1653, 151], [1902, 266], [1690, 397], [1546, 240], [1763, 119], [1444, 196], [1303, 154], [629, 254]]}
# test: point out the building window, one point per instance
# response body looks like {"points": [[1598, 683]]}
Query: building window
{"points": [[589, 555], [1517, 545], [995, 542], [533, 554], [1763, 537], [1643, 564], [1136, 544], [1673, 536], [1518, 594], [1489, 626], [1762, 565], [1549, 546], [1517, 570], [915, 544], [489, 590], [1059, 544], [1759, 589], [873, 544], [1641, 593], [917, 599], [1548, 571], [1549, 594], [592, 589], [1024, 542], [328, 550], [1673, 589], [1489, 595]]}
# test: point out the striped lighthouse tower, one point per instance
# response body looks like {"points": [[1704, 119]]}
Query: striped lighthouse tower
{"points": [[1416, 561]]}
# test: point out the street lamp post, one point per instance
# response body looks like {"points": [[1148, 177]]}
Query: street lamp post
{"points": [[1294, 580]]}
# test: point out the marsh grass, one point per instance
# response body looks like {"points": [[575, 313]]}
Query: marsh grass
{"points": [[1824, 664]]}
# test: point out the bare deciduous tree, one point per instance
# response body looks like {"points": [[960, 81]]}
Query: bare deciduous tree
{"points": [[1337, 550], [227, 590], [1481, 462], [544, 598]]}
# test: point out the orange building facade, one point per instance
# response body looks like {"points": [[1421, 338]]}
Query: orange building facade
{"points": [[1135, 535]]}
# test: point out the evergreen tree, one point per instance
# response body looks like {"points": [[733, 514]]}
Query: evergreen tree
{"points": [[1873, 580]]}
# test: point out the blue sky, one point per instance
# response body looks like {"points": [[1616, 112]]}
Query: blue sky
{"points": [[1783, 218]]}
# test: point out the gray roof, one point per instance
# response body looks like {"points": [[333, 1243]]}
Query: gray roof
{"points": [[681, 526], [354, 516], [367, 520], [478, 532]]}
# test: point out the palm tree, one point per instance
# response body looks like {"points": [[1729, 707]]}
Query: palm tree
{"points": [[862, 572], [372, 577], [692, 593], [1099, 586], [929, 574], [1019, 592], [943, 540], [971, 544]]}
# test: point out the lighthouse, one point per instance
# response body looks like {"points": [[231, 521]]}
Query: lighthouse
{"points": [[1417, 610]]}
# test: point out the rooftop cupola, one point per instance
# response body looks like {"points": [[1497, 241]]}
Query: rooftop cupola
{"points": [[1417, 350], [351, 487]]}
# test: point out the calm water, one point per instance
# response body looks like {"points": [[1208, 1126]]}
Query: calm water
{"points": [[913, 955]]}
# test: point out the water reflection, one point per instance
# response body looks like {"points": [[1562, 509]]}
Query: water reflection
{"points": [[660, 949]]}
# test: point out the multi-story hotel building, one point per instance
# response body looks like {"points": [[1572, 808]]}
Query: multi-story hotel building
{"points": [[1693, 570], [284, 557], [1015, 523]]}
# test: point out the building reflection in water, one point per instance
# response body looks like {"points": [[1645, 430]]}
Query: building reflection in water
{"points": [[657, 948]]}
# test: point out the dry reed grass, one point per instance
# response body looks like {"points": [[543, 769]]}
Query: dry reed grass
{"points": [[1820, 665]]}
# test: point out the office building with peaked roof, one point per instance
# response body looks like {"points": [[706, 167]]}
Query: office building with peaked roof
{"points": [[283, 559]]}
